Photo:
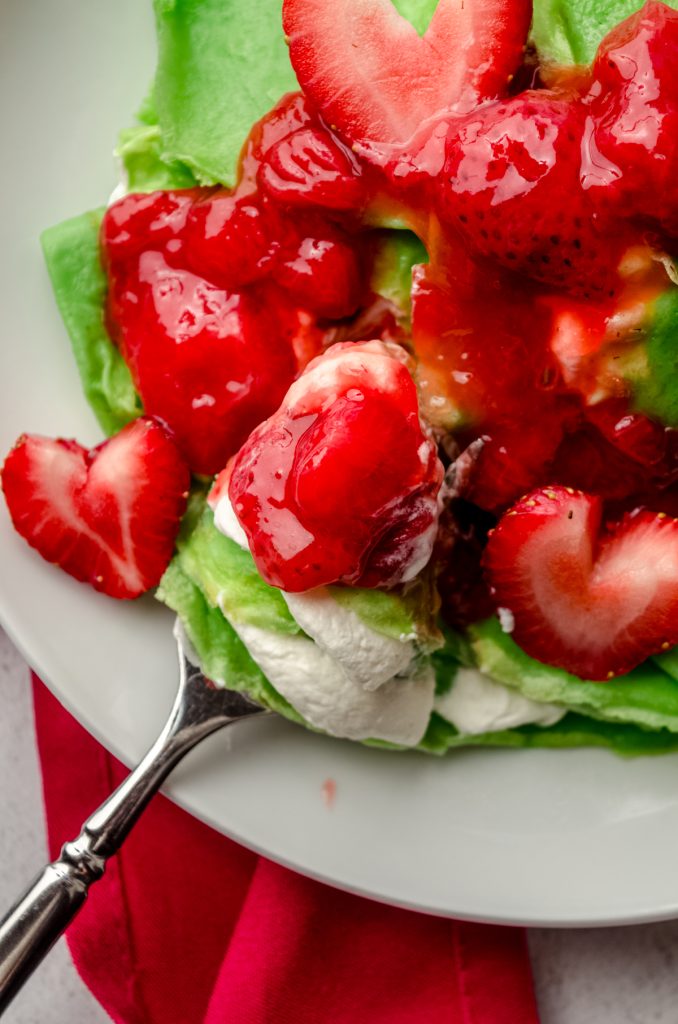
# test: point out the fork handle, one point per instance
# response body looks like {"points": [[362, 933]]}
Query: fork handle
{"points": [[50, 903], [36, 921], [41, 915]]}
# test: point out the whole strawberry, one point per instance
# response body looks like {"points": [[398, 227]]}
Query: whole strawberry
{"points": [[341, 483], [634, 115], [512, 187]]}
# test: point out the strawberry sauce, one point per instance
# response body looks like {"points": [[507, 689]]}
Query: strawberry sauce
{"points": [[217, 298], [546, 214]]}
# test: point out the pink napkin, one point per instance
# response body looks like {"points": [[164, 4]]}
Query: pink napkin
{"points": [[187, 927]]}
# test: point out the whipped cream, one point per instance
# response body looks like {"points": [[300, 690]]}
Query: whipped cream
{"points": [[120, 190], [367, 657], [321, 691], [227, 522], [476, 704]]}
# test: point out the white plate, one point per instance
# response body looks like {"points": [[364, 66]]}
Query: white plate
{"points": [[541, 837]]}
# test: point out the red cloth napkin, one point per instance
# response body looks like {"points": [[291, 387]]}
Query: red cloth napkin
{"points": [[187, 927]]}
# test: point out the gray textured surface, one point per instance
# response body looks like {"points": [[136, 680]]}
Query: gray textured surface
{"points": [[603, 976]]}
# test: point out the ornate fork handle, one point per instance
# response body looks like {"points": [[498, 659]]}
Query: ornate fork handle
{"points": [[48, 906]]}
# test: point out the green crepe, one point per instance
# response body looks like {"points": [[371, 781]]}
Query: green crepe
{"points": [[655, 388], [140, 150], [647, 696], [72, 254], [571, 731], [570, 31], [396, 254], [225, 659], [221, 66], [223, 656], [228, 578]]}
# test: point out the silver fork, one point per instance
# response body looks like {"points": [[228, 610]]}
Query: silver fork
{"points": [[48, 906]]}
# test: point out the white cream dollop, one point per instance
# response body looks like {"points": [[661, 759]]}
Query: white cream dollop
{"points": [[367, 657], [227, 522], [477, 704], [320, 690]]}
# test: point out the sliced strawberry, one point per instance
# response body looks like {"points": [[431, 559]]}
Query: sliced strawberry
{"points": [[589, 599], [508, 168], [341, 484], [108, 516], [376, 80]]}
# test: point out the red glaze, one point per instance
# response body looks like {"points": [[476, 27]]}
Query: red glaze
{"points": [[593, 600], [539, 212], [310, 168], [341, 483], [618, 455], [634, 435], [209, 363], [137, 222], [634, 115], [514, 186], [218, 298], [230, 241], [109, 516], [324, 275]]}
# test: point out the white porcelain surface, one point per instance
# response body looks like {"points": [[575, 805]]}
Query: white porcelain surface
{"points": [[541, 837], [606, 975]]}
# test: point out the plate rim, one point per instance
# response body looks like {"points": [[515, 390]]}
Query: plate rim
{"points": [[35, 653]]}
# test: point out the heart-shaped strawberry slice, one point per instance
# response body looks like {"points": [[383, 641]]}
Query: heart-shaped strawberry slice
{"points": [[108, 516], [375, 79], [595, 601]]}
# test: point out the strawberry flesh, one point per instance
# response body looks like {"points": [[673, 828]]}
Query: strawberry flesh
{"points": [[376, 80], [108, 516], [591, 599]]}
